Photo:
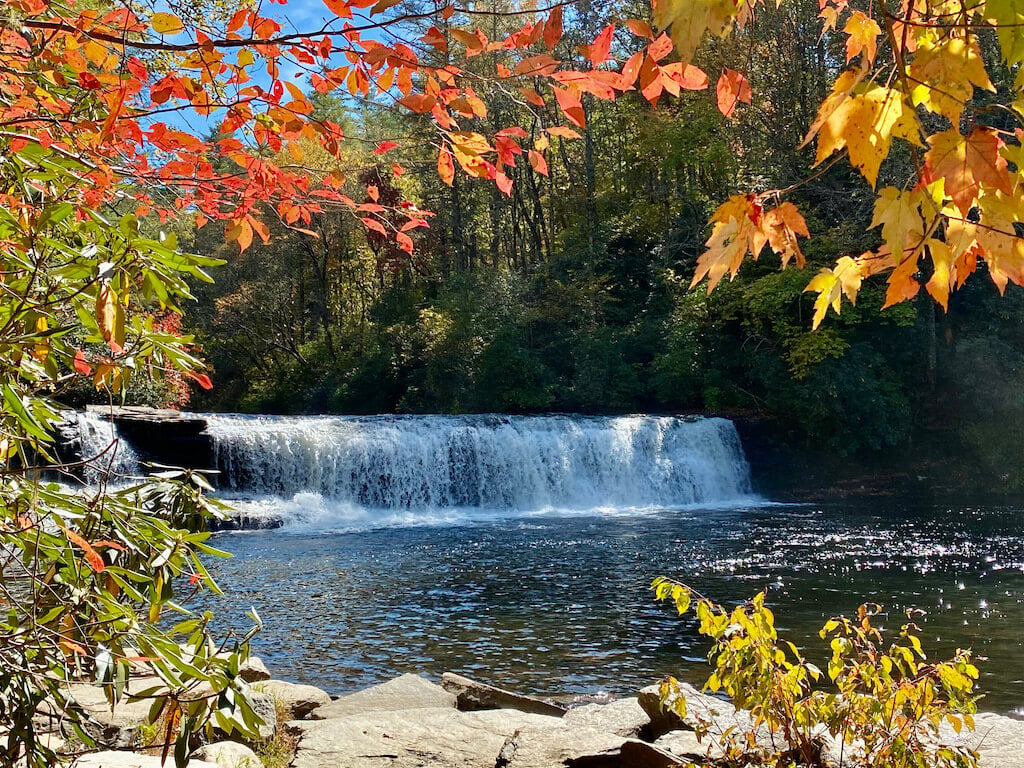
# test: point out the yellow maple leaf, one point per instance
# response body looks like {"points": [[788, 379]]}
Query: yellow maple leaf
{"points": [[898, 213], [865, 123], [943, 272], [690, 19], [862, 36], [832, 284], [946, 72], [1008, 17]]}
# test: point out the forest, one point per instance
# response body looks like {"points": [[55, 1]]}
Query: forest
{"points": [[571, 293]]}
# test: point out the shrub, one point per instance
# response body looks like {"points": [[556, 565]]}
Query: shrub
{"points": [[883, 707]]}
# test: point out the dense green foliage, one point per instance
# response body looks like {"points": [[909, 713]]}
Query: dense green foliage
{"points": [[94, 582]]}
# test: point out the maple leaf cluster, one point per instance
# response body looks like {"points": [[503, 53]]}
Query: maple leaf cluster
{"points": [[963, 203]]}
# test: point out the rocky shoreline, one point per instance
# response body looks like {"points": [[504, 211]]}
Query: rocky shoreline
{"points": [[412, 722]]}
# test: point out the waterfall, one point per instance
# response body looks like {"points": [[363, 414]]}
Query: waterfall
{"points": [[406, 464], [107, 453]]}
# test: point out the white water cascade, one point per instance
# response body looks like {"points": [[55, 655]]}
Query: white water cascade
{"points": [[426, 464], [109, 456]]}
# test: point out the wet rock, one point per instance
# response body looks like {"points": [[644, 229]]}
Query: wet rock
{"points": [[405, 692], [471, 696]]}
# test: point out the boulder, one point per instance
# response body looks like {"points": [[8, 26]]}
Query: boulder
{"points": [[112, 726], [263, 705], [444, 736], [297, 700], [253, 670], [624, 717], [227, 754], [405, 692], [699, 708], [471, 696], [128, 760]]}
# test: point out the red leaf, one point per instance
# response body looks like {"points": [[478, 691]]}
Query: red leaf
{"points": [[200, 378], [540, 165], [446, 166], [383, 147], [553, 28], [565, 133], [88, 80], [571, 105], [504, 182], [660, 48], [732, 89], [374, 225], [80, 365], [418, 102], [404, 242], [639, 28], [91, 555], [339, 8], [602, 46]]}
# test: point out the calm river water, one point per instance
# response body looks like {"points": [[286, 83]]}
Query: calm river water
{"points": [[559, 605]]}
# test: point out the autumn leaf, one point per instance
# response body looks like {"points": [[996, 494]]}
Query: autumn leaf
{"points": [[200, 378], [166, 24], [537, 162], [781, 225], [945, 74], [110, 317], [571, 106], [446, 166], [340, 8], [639, 28], [384, 146], [241, 232], [732, 89], [80, 364], [553, 28], [92, 557], [898, 213], [862, 36], [831, 285], [865, 124], [690, 19], [971, 165], [735, 233]]}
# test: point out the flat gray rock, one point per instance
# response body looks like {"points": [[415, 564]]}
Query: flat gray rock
{"points": [[472, 695], [410, 738], [624, 717], [405, 692], [298, 700], [227, 754]]}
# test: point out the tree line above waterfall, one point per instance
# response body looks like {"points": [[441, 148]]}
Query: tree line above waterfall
{"points": [[572, 292]]}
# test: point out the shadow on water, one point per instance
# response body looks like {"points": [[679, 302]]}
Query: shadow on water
{"points": [[559, 604]]}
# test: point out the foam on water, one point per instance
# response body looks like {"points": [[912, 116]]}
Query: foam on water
{"points": [[349, 473]]}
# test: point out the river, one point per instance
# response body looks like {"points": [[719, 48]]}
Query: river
{"points": [[520, 551]]}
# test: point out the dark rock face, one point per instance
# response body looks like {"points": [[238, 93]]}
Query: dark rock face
{"points": [[173, 438], [160, 436]]}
